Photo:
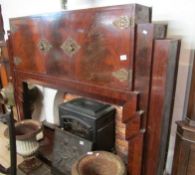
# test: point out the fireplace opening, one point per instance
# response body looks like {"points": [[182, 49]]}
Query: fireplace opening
{"points": [[92, 120]]}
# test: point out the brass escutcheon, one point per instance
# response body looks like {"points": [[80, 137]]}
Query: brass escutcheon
{"points": [[70, 47], [44, 46]]}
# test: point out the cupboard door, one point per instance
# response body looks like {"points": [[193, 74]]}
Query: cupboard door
{"points": [[29, 45], [105, 55], [57, 31]]}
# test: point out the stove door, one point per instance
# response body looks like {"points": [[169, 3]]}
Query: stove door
{"points": [[77, 126]]}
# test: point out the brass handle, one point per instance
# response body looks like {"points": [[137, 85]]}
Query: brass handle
{"points": [[17, 61]]}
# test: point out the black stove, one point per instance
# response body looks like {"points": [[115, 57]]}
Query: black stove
{"points": [[91, 120]]}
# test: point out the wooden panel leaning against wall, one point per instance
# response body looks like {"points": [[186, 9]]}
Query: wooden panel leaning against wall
{"points": [[165, 67], [156, 59]]}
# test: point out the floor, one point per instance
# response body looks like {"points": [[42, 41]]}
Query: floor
{"points": [[4, 152], [43, 170], [5, 159]]}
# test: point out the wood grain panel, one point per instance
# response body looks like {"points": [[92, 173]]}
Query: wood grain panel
{"points": [[26, 53], [161, 103], [91, 53], [98, 50], [4, 65], [184, 153], [146, 34], [135, 154], [191, 104]]}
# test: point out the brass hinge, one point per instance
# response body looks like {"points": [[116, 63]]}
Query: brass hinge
{"points": [[124, 22], [13, 28], [17, 61], [122, 75]]}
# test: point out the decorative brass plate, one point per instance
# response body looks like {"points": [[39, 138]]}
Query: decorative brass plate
{"points": [[17, 61], [13, 28], [124, 22], [122, 74], [70, 47], [44, 46]]}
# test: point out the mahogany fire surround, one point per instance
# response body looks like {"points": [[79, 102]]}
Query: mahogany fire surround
{"points": [[113, 54]]}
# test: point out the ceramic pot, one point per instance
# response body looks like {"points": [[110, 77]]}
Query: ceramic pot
{"points": [[26, 132], [99, 162], [27, 147]]}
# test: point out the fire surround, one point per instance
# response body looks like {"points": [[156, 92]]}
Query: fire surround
{"points": [[118, 57]]}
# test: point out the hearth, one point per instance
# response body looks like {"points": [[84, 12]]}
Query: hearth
{"points": [[68, 148], [90, 120]]}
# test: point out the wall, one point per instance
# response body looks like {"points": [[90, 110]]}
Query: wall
{"points": [[177, 13]]}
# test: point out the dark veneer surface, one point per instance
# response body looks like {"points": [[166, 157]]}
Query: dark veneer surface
{"points": [[103, 53]]}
